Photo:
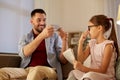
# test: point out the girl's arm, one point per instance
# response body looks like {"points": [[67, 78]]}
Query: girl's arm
{"points": [[83, 54], [108, 51]]}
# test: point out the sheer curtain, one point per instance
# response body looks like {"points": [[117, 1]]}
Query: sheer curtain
{"points": [[14, 22], [118, 26], [111, 10]]}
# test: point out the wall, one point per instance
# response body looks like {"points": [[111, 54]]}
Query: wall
{"points": [[53, 9], [72, 15], [77, 13]]}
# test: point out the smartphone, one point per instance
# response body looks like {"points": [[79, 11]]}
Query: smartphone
{"points": [[56, 27]]}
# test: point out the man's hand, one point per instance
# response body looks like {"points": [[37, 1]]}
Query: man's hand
{"points": [[47, 32], [62, 34]]}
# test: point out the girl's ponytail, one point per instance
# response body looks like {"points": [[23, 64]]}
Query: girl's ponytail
{"points": [[113, 36]]}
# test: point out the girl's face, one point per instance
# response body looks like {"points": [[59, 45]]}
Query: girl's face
{"points": [[93, 29]]}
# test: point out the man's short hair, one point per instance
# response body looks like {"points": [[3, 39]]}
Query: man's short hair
{"points": [[37, 11]]}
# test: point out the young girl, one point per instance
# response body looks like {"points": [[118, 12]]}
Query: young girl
{"points": [[102, 51]]}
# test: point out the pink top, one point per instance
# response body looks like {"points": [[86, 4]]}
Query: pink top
{"points": [[97, 52]]}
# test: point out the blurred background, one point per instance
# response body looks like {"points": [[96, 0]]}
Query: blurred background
{"points": [[72, 15]]}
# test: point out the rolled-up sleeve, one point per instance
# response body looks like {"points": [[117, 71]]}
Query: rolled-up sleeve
{"points": [[26, 39], [21, 44]]}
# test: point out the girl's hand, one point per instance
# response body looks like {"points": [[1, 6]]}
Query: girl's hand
{"points": [[83, 36], [78, 65]]}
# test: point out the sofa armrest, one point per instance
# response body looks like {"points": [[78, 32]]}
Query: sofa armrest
{"points": [[9, 60], [66, 70]]}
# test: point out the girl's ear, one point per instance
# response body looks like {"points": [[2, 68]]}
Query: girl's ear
{"points": [[100, 27]]}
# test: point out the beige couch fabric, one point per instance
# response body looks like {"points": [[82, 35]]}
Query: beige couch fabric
{"points": [[13, 60]]}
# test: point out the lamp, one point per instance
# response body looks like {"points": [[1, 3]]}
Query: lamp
{"points": [[118, 17]]}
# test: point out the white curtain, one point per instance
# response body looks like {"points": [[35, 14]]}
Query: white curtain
{"points": [[14, 22], [111, 10], [118, 26]]}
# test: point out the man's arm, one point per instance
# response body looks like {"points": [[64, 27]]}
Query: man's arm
{"points": [[63, 36], [30, 48]]}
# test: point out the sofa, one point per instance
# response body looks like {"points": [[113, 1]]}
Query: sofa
{"points": [[13, 60]]}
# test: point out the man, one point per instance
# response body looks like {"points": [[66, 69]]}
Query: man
{"points": [[42, 49]]}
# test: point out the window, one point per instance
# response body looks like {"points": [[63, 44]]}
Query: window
{"points": [[14, 22]]}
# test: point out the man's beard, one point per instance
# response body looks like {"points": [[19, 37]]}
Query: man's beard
{"points": [[41, 29]]}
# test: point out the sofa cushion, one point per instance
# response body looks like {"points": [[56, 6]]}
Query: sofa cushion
{"points": [[118, 69]]}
